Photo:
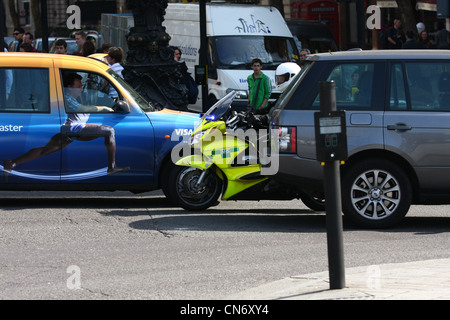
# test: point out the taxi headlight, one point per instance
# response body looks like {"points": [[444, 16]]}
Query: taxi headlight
{"points": [[196, 138]]}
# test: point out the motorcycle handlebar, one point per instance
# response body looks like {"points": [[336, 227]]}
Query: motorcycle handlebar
{"points": [[247, 120]]}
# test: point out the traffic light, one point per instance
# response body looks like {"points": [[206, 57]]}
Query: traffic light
{"points": [[443, 9]]}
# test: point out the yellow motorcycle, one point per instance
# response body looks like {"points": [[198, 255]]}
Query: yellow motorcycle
{"points": [[227, 155]]}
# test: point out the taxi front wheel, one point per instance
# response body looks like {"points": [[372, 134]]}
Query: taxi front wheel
{"points": [[376, 193]]}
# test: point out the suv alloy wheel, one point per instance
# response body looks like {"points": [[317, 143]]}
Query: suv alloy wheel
{"points": [[376, 193]]}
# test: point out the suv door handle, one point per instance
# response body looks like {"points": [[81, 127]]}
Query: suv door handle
{"points": [[399, 127]]}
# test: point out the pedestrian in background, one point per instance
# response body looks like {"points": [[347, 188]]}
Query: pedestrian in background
{"points": [[26, 47], [425, 39], [80, 39], [88, 48], [395, 36], [411, 42], [442, 36], [176, 54], [18, 35], [259, 88], [304, 53], [61, 46], [115, 60], [105, 48], [28, 38]]}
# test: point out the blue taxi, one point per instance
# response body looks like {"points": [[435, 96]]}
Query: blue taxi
{"points": [[61, 129]]}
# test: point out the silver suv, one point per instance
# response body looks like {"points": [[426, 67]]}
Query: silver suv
{"points": [[397, 108]]}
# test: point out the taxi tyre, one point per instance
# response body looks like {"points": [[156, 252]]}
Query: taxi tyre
{"points": [[181, 188], [165, 172], [375, 183]]}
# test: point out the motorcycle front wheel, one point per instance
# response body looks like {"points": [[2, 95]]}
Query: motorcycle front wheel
{"points": [[183, 188]]}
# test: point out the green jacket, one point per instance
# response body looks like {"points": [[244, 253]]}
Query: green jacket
{"points": [[265, 89]]}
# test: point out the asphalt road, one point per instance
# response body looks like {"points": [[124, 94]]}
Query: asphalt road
{"points": [[121, 246]]}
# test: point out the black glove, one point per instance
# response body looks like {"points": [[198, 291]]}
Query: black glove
{"points": [[261, 121], [250, 118]]}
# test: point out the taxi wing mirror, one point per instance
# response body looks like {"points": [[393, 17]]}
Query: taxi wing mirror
{"points": [[122, 106]]}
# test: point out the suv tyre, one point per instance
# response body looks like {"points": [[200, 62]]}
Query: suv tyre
{"points": [[376, 193]]}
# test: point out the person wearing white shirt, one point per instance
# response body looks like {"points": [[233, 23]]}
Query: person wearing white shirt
{"points": [[115, 60]]}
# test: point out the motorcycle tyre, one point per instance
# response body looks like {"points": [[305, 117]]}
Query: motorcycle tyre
{"points": [[174, 195]]}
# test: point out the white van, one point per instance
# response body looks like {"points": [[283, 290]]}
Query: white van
{"points": [[236, 34]]}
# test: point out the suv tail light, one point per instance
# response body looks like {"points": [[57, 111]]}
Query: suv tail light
{"points": [[287, 139]]}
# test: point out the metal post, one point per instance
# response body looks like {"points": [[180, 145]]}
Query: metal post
{"points": [[204, 53], [361, 23], [2, 26], [44, 26], [333, 205]]}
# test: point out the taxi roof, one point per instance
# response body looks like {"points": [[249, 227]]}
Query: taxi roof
{"points": [[432, 54], [38, 59]]}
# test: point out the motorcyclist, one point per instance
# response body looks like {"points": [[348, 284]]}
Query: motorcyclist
{"points": [[285, 73]]}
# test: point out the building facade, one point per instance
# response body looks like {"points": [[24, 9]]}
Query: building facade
{"points": [[339, 15]]}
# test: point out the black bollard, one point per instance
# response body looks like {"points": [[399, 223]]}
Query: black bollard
{"points": [[331, 147]]}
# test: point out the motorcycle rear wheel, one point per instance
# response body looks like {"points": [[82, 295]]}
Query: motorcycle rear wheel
{"points": [[314, 200], [183, 189]]}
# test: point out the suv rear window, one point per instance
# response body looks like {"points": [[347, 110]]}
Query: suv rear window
{"points": [[427, 86]]}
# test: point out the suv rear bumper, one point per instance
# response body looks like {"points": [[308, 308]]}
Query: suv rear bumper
{"points": [[301, 172]]}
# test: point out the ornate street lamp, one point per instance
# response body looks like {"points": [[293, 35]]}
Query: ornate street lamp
{"points": [[150, 67]]}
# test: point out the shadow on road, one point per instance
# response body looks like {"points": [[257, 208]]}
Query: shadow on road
{"points": [[168, 216], [245, 221], [88, 202]]}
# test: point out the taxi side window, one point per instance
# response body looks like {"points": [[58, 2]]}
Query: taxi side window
{"points": [[95, 90], [24, 90]]}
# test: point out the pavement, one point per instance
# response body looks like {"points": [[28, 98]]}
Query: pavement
{"points": [[420, 280]]}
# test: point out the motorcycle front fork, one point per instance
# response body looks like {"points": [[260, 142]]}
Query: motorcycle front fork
{"points": [[200, 179]]}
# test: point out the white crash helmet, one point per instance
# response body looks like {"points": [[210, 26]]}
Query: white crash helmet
{"points": [[288, 70], [420, 27]]}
